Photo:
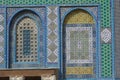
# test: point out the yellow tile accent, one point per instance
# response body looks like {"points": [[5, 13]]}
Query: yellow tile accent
{"points": [[78, 17], [79, 70]]}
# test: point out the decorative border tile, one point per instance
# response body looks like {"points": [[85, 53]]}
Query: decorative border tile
{"points": [[1, 59], [1, 18], [106, 60], [79, 70], [64, 9], [106, 35], [1, 28], [41, 10], [38, 14], [52, 34], [105, 10], [94, 47], [1, 38], [90, 47]]}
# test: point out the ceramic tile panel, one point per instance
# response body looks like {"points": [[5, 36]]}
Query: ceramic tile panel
{"points": [[2, 39], [52, 34]]}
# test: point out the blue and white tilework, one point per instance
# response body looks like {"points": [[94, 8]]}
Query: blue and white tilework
{"points": [[92, 9], [38, 14], [76, 35], [106, 35], [1, 59], [52, 34], [84, 36], [41, 10], [1, 18], [1, 39], [1, 27]]}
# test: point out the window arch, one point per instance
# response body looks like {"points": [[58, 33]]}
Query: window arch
{"points": [[79, 41], [25, 39]]}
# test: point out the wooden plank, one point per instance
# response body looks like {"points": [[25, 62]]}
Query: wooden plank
{"points": [[27, 72]]}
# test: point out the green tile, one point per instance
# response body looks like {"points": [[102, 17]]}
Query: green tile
{"points": [[106, 60]]}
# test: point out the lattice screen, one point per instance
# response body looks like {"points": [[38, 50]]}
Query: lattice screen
{"points": [[26, 41]]}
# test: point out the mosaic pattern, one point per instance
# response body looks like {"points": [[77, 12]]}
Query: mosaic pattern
{"points": [[82, 19], [80, 70], [2, 10], [106, 35], [36, 56], [1, 39], [94, 10], [106, 60], [1, 28], [1, 18], [1, 49], [41, 10], [1, 59], [105, 6], [74, 19], [78, 43], [27, 41], [64, 9], [52, 50]]}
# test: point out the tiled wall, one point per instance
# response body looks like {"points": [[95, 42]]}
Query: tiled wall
{"points": [[52, 34], [53, 18], [78, 29], [2, 38]]}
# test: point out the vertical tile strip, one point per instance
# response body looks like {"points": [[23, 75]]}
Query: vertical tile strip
{"points": [[52, 35], [106, 60], [2, 53], [106, 53]]}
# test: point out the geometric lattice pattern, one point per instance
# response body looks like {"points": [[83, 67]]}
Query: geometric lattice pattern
{"points": [[106, 35], [1, 28], [1, 59], [79, 17], [52, 42], [31, 38], [26, 41], [106, 60], [94, 10], [105, 6], [78, 42], [79, 46], [80, 70], [1, 18], [105, 22], [1, 39]]}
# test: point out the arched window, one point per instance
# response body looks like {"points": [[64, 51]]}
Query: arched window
{"points": [[26, 40], [79, 42]]}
